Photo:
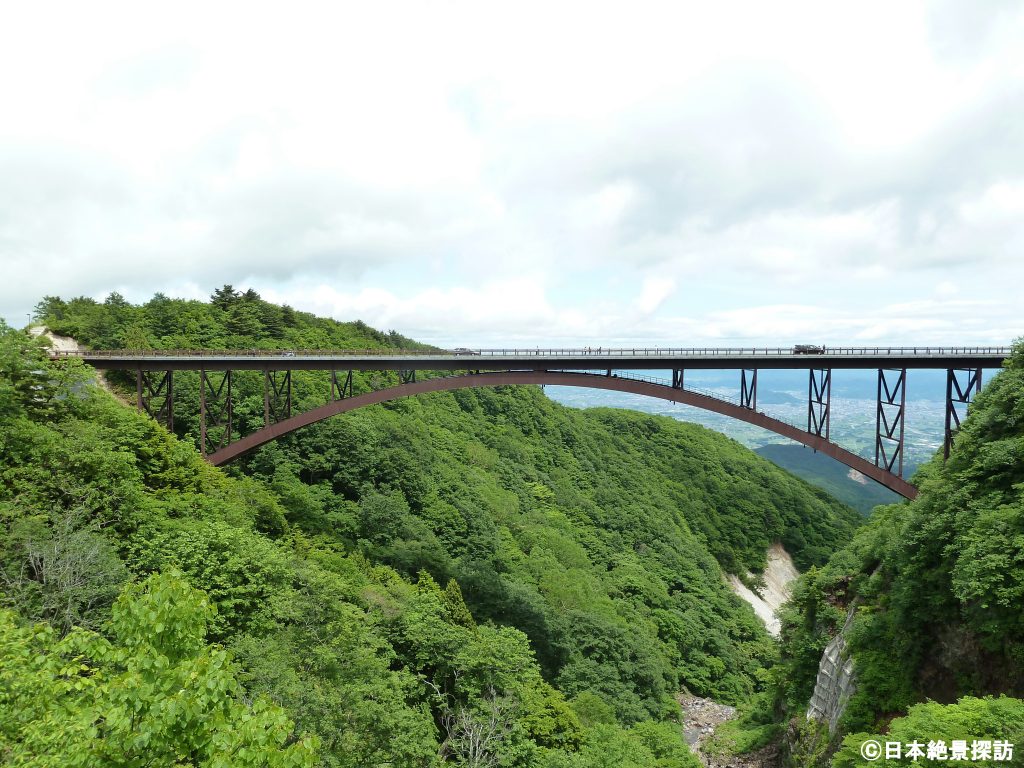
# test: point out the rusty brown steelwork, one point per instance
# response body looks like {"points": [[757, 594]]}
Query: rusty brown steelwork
{"points": [[217, 410], [958, 393], [154, 394], [557, 378], [571, 367], [748, 388], [889, 419], [277, 396], [339, 391], [819, 401]]}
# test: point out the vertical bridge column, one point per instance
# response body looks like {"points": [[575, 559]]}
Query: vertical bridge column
{"points": [[677, 378], [958, 395], [151, 391], [819, 401], [277, 397], [343, 390], [748, 389], [217, 406], [892, 403]]}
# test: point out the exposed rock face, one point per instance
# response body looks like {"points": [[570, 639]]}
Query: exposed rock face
{"points": [[836, 681], [58, 343], [779, 572]]}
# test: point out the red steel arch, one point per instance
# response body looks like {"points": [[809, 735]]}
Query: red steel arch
{"points": [[558, 378]]}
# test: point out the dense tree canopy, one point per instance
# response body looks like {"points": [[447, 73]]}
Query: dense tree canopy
{"points": [[937, 584], [479, 577], [153, 695]]}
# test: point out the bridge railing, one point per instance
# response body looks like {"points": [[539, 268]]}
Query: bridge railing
{"points": [[121, 354], [737, 351], [581, 352]]}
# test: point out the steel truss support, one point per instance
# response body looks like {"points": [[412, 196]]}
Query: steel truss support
{"points": [[154, 394], [748, 388], [819, 401], [216, 410], [677, 378], [342, 390], [889, 422], [958, 392], [406, 377], [277, 396]]}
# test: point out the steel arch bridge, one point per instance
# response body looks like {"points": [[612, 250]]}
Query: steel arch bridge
{"points": [[598, 369]]}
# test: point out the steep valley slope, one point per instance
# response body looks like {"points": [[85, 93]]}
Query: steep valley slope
{"points": [[929, 600], [476, 572]]}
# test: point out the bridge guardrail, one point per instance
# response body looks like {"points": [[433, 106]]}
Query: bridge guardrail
{"points": [[582, 352]]}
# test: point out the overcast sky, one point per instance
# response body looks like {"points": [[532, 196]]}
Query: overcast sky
{"points": [[493, 172]]}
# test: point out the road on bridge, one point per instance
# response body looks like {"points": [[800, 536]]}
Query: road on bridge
{"points": [[581, 359]]}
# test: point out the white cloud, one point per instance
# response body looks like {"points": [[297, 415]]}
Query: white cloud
{"points": [[654, 166], [655, 291], [1000, 204], [522, 311]]}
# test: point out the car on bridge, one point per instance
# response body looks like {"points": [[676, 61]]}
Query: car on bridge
{"points": [[464, 351], [808, 349]]}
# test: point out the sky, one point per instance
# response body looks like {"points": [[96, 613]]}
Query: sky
{"points": [[481, 174]]}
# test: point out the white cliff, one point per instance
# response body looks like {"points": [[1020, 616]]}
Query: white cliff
{"points": [[777, 576]]}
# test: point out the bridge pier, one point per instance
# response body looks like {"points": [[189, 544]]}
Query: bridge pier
{"points": [[149, 389], [677, 378], [963, 396], [277, 397], [889, 423], [748, 389], [343, 390], [215, 406], [819, 401]]}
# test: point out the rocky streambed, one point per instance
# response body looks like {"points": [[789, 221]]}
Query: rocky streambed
{"points": [[700, 719]]}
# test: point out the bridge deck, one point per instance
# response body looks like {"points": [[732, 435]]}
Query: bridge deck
{"points": [[549, 359]]}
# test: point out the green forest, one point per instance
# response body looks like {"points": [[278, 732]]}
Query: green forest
{"points": [[936, 588], [471, 578], [480, 577]]}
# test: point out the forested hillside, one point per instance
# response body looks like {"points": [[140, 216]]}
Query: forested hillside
{"points": [[828, 474], [480, 577], [938, 585]]}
